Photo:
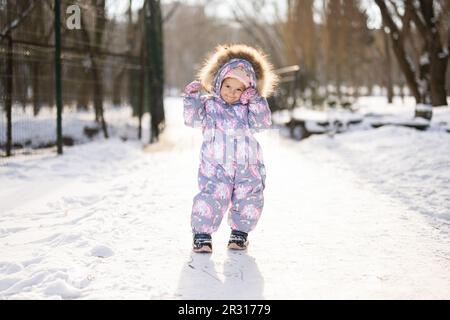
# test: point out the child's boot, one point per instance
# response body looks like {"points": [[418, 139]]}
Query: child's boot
{"points": [[202, 243], [238, 240]]}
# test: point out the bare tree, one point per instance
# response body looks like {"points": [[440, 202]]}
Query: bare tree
{"points": [[300, 34], [266, 34], [12, 23], [427, 81], [190, 35], [155, 62], [92, 44], [388, 75], [434, 58]]}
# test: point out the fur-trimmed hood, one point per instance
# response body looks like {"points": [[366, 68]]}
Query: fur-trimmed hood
{"points": [[225, 57]]}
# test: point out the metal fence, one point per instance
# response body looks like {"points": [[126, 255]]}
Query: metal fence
{"points": [[103, 76]]}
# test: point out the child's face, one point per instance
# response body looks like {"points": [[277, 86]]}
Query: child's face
{"points": [[231, 90]]}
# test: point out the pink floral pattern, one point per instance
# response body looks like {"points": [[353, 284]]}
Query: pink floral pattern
{"points": [[250, 212], [222, 191], [253, 169], [202, 209], [228, 126], [188, 115], [207, 169], [242, 191]]}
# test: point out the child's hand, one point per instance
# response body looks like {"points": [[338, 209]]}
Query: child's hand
{"points": [[193, 87], [248, 95]]}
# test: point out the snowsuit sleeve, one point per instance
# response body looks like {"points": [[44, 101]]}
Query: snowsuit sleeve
{"points": [[194, 110], [259, 115]]}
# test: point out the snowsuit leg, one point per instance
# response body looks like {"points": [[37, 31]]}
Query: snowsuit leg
{"points": [[213, 200], [247, 199]]}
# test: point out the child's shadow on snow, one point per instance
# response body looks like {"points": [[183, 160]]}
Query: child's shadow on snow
{"points": [[207, 277]]}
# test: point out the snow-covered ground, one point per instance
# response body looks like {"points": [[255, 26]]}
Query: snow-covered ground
{"points": [[360, 215], [369, 111], [37, 131]]}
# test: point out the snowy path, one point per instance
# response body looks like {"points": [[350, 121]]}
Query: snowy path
{"points": [[108, 220]]}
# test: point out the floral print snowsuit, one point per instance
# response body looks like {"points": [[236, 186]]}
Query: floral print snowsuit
{"points": [[231, 167]]}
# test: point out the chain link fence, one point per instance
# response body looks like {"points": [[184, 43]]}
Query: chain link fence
{"points": [[104, 75]]}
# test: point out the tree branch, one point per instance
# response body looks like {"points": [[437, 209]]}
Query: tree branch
{"points": [[14, 24], [171, 12], [420, 24]]}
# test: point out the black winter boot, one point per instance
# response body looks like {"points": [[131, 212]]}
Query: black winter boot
{"points": [[238, 240], [202, 243]]}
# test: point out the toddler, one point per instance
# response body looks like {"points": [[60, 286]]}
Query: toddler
{"points": [[238, 79]]}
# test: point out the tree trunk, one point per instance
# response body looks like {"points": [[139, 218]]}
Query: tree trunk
{"points": [[36, 93], [434, 59], [437, 81], [141, 99], [448, 78], [83, 96], [437, 57], [154, 37], [9, 93], [400, 53], [98, 97], [388, 74], [96, 71], [117, 88], [93, 52]]}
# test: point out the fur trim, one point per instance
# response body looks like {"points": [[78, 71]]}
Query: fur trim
{"points": [[266, 79]]}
